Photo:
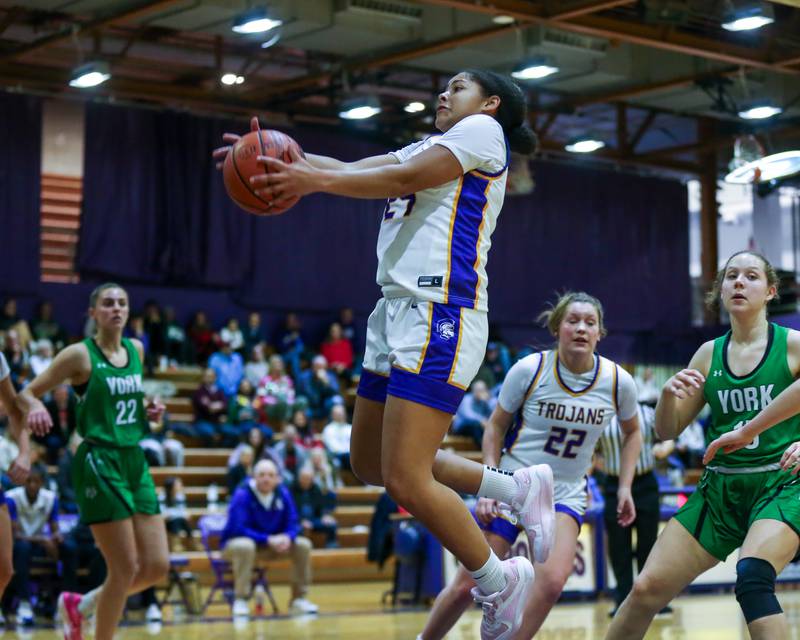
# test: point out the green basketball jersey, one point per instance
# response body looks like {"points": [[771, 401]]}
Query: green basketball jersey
{"points": [[736, 399], [111, 408]]}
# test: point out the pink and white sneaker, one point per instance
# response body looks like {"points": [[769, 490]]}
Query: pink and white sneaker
{"points": [[502, 611], [71, 618], [533, 506]]}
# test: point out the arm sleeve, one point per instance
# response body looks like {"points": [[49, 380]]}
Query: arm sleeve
{"points": [[626, 395], [4, 370], [401, 155], [477, 142], [515, 386]]}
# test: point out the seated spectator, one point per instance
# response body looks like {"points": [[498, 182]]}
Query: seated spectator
{"points": [[34, 514], [498, 361], [10, 321], [201, 338], [336, 436], [320, 387], [276, 392], [210, 413], [176, 516], [474, 411], [253, 333], [313, 508], [174, 339], [161, 447], [242, 469], [291, 453], [66, 492], [309, 438], [648, 390], [691, 445], [62, 410], [255, 440], [256, 368], [338, 350], [80, 551], [243, 410], [156, 336], [347, 321], [44, 326], [290, 343], [325, 476], [229, 367], [262, 521], [17, 357], [42, 356], [232, 334]]}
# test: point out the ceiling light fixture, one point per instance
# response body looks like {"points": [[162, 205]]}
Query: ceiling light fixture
{"points": [[759, 111], [414, 107], [585, 144], [534, 69], [90, 74], [255, 21], [359, 108], [231, 79], [774, 167], [503, 19], [748, 16]]}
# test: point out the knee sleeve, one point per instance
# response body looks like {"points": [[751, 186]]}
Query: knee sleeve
{"points": [[755, 589]]}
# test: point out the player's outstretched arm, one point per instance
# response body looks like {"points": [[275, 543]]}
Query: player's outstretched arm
{"points": [[21, 465], [629, 453], [71, 364], [682, 395]]}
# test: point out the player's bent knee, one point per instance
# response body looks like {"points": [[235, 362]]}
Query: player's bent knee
{"points": [[365, 471], [755, 589]]}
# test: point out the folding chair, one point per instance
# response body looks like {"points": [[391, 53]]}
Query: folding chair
{"points": [[211, 527]]}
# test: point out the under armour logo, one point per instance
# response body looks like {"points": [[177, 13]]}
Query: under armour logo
{"points": [[717, 373]]}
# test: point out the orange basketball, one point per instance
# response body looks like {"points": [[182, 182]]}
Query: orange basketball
{"points": [[240, 164]]}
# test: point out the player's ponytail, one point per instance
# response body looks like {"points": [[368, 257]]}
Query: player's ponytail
{"points": [[512, 114]]}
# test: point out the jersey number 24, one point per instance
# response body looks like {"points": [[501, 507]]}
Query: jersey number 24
{"points": [[563, 441]]}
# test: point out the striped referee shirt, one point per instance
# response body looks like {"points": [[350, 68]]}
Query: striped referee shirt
{"points": [[610, 444]]}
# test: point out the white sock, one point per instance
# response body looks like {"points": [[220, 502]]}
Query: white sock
{"points": [[498, 485], [88, 602], [490, 577]]}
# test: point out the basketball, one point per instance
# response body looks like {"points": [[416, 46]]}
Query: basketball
{"points": [[240, 164]]}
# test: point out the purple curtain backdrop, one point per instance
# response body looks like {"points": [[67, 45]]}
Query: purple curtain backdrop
{"points": [[20, 171], [156, 213]]}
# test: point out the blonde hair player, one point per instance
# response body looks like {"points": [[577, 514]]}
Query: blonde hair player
{"points": [[427, 336], [17, 472], [744, 499], [552, 409], [113, 487]]}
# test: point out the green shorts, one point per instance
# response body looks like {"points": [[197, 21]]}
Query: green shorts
{"points": [[723, 508], [112, 483]]}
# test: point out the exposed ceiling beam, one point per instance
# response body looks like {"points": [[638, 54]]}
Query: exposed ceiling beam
{"points": [[646, 123], [588, 7], [612, 155], [787, 130], [394, 57], [642, 34], [65, 34]]}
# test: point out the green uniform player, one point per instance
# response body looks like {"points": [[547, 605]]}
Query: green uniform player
{"points": [[110, 474], [746, 498], [115, 492]]}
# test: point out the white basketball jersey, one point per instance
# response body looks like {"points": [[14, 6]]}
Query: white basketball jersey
{"points": [[561, 415], [433, 244]]}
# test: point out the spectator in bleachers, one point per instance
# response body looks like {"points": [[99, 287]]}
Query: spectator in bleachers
{"points": [[79, 550], [16, 355], [24, 376], [253, 439], [325, 475], [42, 355], [229, 367], [291, 454], [308, 437], [44, 326], [66, 492], [474, 411], [232, 334], [243, 410], [498, 360], [256, 368], [290, 343], [262, 520], [176, 515], [320, 387], [243, 468], [276, 392], [313, 508], [62, 408], [691, 445], [336, 436], [254, 334], [649, 391], [211, 413], [9, 319], [201, 338], [161, 447], [34, 515], [156, 335], [175, 339], [136, 330], [347, 320], [338, 350]]}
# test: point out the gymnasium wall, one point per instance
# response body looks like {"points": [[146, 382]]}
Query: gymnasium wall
{"points": [[156, 217]]}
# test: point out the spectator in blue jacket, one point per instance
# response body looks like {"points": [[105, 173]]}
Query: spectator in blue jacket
{"points": [[263, 522], [474, 412], [229, 367]]}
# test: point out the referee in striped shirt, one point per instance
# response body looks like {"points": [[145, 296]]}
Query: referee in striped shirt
{"points": [[645, 497]]}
